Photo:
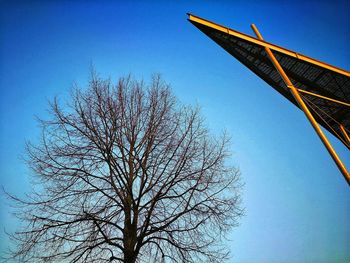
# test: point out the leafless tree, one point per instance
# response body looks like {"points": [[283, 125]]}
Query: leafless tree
{"points": [[124, 173]]}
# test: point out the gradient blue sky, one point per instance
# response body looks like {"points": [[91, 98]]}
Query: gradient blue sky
{"points": [[297, 202]]}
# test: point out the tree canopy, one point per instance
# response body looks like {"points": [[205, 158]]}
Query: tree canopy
{"points": [[127, 173]]}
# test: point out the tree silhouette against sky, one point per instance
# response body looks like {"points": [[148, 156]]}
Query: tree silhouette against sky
{"points": [[126, 173]]}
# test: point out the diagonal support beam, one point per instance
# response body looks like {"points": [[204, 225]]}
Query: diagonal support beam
{"points": [[304, 107], [345, 133], [324, 97]]}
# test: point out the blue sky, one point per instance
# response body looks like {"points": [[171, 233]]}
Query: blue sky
{"points": [[297, 202]]}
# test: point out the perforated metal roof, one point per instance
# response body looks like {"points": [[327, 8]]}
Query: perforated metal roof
{"points": [[306, 74]]}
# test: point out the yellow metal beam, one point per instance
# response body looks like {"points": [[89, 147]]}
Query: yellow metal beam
{"points": [[264, 44], [303, 106], [346, 135], [324, 97]]}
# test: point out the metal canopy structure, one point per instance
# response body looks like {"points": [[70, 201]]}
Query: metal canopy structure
{"points": [[321, 90]]}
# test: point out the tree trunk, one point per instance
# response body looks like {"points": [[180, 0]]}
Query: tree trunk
{"points": [[129, 257], [130, 232], [130, 238]]}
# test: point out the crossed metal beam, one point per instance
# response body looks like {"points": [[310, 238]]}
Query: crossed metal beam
{"points": [[296, 92]]}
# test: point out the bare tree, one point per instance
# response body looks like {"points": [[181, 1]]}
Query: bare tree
{"points": [[127, 174]]}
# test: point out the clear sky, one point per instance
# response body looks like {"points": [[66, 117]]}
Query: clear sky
{"points": [[297, 202]]}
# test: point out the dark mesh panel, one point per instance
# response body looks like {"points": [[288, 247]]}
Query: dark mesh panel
{"points": [[303, 75]]}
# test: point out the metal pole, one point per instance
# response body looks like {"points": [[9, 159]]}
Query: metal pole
{"points": [[303, 106], [347, 138]]}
